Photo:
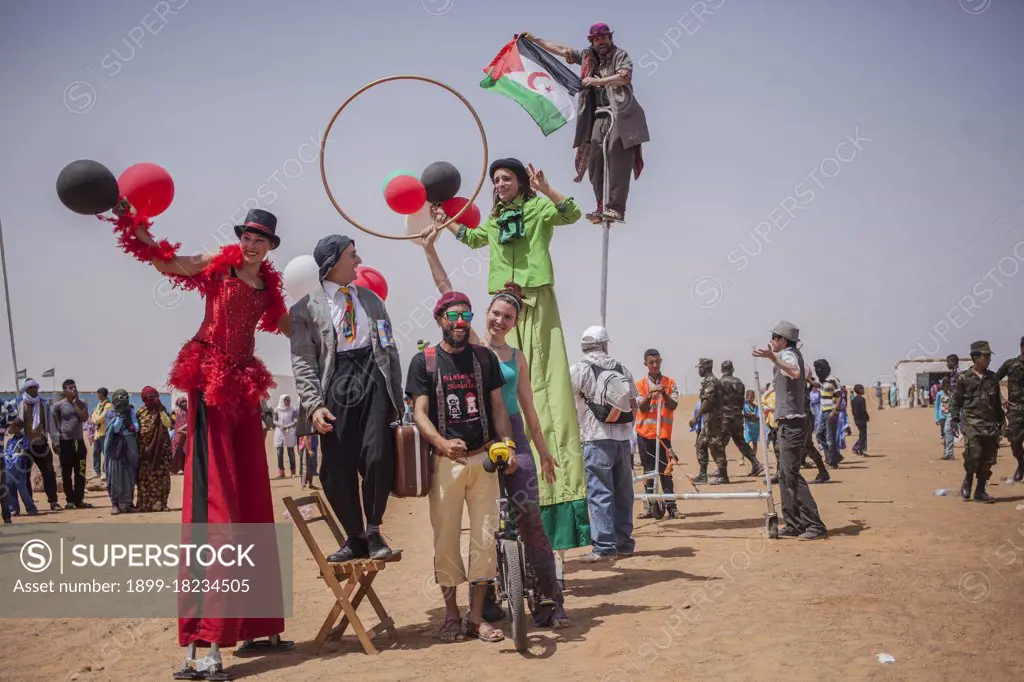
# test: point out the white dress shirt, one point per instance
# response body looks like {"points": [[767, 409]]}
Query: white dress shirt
{"points": [[337, 301]]}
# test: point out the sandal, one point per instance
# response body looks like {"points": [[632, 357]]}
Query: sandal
{"points": [[187, 672], [645, 514], [451, 631], [485, 632]]}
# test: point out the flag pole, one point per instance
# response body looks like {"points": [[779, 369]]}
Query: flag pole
{"points": [[7, 297]]}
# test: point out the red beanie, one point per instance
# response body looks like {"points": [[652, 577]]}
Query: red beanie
{"points": [[448, 300]]}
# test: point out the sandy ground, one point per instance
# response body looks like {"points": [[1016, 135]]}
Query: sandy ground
{"points": [[935, 582]]}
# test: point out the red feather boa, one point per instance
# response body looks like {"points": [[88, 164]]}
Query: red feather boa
{"points": [[230, 256]]}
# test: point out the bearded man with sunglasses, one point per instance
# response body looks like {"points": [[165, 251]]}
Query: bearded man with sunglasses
{"points": [[349, 379], [459, 409]]}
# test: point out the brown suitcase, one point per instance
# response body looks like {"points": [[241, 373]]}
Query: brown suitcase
{"points": [[413, 463]]}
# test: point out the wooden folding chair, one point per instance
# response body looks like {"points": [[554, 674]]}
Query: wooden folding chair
{"points": [[344, 579]]}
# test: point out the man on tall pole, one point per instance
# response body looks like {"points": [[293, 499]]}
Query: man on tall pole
{"points": [[606, 104]]}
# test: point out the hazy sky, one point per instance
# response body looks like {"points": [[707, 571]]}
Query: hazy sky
{"points": [[855, 167]]}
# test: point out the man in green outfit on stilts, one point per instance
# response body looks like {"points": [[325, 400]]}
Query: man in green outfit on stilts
{"points": [[518, 232]]}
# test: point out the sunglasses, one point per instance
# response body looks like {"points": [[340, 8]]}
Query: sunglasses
{"points": [[454, 315]]}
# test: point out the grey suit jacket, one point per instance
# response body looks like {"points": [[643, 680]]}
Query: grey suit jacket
{"points": [[314, 345]]}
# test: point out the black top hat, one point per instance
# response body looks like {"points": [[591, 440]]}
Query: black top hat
{"points": [[262, 223]]}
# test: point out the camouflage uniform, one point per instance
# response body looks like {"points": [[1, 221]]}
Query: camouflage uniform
{"points": [[712, 431], [733, 397], [977, 409], [1013, 370]]}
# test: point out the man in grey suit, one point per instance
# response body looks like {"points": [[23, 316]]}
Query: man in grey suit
{"points": [[348, 377]]}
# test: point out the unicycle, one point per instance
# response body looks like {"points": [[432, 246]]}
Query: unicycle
{"points": [[516, 581]]}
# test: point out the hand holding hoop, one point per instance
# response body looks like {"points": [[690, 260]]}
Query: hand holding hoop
{"points": [[327, 133]]}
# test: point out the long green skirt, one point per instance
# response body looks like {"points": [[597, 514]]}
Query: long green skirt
{"points": [[539, 337]]}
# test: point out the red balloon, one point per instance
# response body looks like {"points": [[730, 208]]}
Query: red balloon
{"points": [[371, 279], [405, 194], [148, 188], [471, 218]]}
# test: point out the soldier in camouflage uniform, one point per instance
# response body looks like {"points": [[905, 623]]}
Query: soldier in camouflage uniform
{"points": [[711, 429], [977, 411], [733, 392], [1013, 371]]}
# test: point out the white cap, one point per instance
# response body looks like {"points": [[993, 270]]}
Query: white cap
{"points": [[595, 334]]}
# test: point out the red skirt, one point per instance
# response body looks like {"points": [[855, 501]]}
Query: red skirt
{"points": [[228, 385], [226, 481]]}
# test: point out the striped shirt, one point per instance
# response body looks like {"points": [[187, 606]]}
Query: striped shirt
{"points": [[830, 389]]}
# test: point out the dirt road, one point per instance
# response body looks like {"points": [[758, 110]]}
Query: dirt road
{"points": [[935, 582]]}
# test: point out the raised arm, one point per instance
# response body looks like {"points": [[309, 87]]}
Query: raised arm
{"points": [[182, 266], [440, 275], [557, 49]]}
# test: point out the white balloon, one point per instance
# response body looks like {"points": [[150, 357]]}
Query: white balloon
{"points": [[301, 276], [416, 223]]}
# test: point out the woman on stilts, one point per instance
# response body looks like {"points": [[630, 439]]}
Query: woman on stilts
{"points": [[518, 233], [226, 476], [517, 392]]}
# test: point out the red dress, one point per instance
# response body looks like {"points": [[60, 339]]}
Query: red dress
{"points": [[226, 475]]}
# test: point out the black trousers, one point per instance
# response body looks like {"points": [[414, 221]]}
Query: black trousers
{"points": [[798, 508], [361, 443], [620, 166], [73, 456], [647, 446], [44, 462], [862, 437]]}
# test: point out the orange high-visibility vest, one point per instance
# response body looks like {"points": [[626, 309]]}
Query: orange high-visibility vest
{"points": [[647, 422]]}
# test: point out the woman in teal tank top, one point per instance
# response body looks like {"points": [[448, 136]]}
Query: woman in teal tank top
{"points": [[517, 392]]}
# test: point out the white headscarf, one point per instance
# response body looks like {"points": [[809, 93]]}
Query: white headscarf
{"points": [[36, 402], [280, 401]]}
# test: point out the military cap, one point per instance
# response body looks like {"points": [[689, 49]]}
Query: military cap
{"points": [[705, 361], [981, 347]]}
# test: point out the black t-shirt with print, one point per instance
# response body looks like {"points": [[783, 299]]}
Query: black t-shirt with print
{"points": [[462, 404]]}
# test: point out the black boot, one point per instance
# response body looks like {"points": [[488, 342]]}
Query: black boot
{"points": [[721, 476], [1018, 475], [702, 477], [756, 468], [965, 487], [979, 493]]}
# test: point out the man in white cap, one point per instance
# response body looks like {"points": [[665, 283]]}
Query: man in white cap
{"points": [[606, 402], [798, 507]]}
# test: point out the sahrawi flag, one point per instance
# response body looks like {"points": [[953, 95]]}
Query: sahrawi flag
{"points": [[535, 80]]}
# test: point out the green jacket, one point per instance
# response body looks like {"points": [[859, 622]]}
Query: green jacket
{"points": [[527, 260], [1013, 369], [977, 407]]}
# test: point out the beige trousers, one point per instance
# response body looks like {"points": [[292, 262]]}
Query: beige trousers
{"points": [[456, 486]]}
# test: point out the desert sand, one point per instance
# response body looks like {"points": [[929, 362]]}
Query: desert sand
{"points": [[933, 581]]}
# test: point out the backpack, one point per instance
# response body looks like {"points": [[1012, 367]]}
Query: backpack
{"points": [[605, 380]]}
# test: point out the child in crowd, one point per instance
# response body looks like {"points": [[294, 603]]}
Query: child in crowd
{"points": [[17, 464], [751, 421]]}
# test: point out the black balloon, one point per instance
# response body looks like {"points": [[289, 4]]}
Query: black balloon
{"points": [[442, 181], [87, 187]]}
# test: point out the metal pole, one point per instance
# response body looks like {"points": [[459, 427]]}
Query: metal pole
{"points": [[7, 297], [606, 224]]}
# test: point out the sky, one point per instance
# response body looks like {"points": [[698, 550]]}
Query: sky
{"points": [[855, 168]]}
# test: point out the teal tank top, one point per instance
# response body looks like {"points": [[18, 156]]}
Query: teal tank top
{"points": [[510, 373]]}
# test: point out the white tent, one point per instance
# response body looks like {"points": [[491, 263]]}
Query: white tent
{"points": [[921, 374]]}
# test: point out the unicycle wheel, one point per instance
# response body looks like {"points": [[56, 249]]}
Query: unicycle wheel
{"points": [[515, 587], [772, 525]]}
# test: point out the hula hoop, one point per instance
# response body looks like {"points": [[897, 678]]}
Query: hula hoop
{"points": [[327, 133]]}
